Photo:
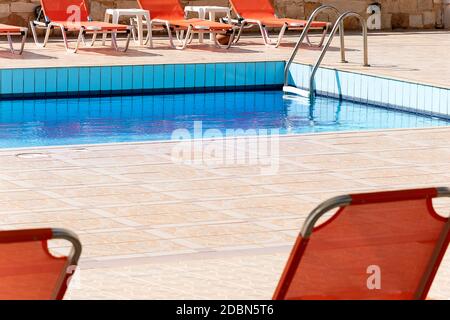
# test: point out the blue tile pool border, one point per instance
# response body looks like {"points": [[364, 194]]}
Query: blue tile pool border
{"points": [[374, 90], [87, 81], [34, 83]]}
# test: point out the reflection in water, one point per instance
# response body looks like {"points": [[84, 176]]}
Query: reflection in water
{"points": [[155, 117]]}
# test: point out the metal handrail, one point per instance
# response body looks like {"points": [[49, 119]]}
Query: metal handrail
{"points": [[305, 32], [320, 210], [330, 38]]}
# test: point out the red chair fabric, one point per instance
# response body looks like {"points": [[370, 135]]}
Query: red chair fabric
{"points": [[199, 23], [249, 9], [74, 14], [172, 11], [163, 9], [63, 10], [4, 28], [94, 25], [27, 270], [265, 13], [382, 246]]}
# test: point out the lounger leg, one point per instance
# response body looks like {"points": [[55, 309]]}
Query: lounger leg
{"points": [[94, 38], [191, 38], [149, 34], [169, 32], [133, 31], [308, 41], [92, 42], [186, 39], [281, 35], [322, 39], [230, 41], [241, 28], [324, 34], [266, 36], [22, 43], [180, 35], [149, 38], [263, 33], [216, 42], [268, 40], [66, 42], [35, 37], [114, 41], [232, 36]]}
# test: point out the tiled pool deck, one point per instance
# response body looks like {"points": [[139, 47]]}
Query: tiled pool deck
{"points": [[155, 229], [398, 55]]}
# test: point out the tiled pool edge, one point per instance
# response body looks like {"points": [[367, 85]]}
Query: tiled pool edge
{"points": [[375, 90], [231, 76], [139, 79]]}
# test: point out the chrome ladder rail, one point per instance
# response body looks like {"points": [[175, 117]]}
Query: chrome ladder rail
{"points": [[327, 45], [338, 25], [305, 33]]}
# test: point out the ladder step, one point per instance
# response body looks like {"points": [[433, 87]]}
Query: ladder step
{"points": [[297, 91]]}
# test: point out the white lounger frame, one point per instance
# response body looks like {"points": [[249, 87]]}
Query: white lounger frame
{"points": [[23, 33], [183, 39], [248, 23], [48, 26]]}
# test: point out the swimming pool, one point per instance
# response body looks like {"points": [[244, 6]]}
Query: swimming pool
{"points": [[50, 122]]}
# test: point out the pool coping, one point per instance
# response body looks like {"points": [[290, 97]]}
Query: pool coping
{"points": [[292, 135]]}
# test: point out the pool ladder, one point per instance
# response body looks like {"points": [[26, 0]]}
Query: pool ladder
{"points": [[310, 93]]}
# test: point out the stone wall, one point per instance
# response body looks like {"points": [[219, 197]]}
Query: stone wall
{"points": [[395, 13]]}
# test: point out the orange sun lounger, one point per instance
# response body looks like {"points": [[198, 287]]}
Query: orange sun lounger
{"points": [[29, 271], [385, 245], [9, 31], [262, 14], [170, 15], [73, 15]]}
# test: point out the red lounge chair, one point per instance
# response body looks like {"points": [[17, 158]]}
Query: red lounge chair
{"points": [[262, 14], [385, 245], [8, 31], [28, 271], [170, 15], [73, 15]]}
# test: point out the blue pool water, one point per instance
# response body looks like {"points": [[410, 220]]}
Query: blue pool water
{"points": [[25, 123]]}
